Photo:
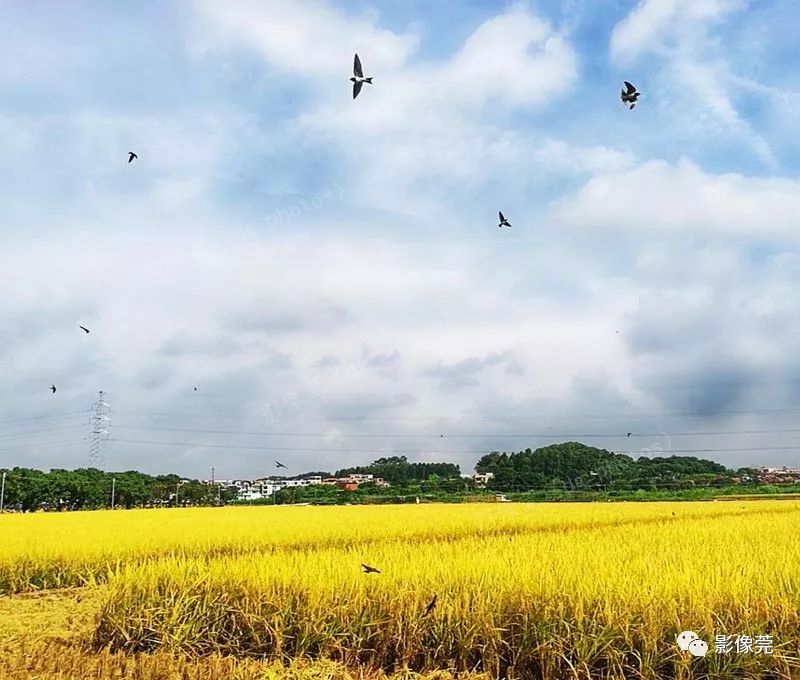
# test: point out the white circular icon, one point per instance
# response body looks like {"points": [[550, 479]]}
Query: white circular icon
{"points": [[685, 639], [698, 647]]}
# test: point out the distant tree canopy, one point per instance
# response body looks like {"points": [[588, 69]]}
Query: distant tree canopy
{"points": [[398, 471], [88, 488], [572, 465]]}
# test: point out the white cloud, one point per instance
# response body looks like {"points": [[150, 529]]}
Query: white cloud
{"points": [[308, 38], [683, 199], [426, 128], [694, 75], [514, 58], [140, 254], [654, 24]]}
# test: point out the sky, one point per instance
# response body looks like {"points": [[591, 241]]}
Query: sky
{"points": [[328, 273]]}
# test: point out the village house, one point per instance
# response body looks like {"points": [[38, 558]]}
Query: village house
{"points": [[248, 490], [483, 478]]}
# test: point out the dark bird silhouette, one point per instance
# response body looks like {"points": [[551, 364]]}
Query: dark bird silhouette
{"points": [[84, 329], [358, 78], [195, 389], [503, 221], [629, 95], [279, 464], [53, 389], [629, 434], [369, 570], [673, 514], [431, 606], [131, 156]]}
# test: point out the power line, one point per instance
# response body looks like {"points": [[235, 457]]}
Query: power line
{"points": [[539, 416], [37, 432], [33, 447], [47, 417], [497, 435], [449, 451]]}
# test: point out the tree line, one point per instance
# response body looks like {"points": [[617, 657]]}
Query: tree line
{"points": [[575, 466], [569, 466], [27, 489], [398, 471]]}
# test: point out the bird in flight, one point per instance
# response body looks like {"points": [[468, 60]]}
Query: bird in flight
{"points": [[84, 329], [503, 221], [629, 434], [195, 389], [279, 464], [358, 78], [431, 606], [131, 156], [369, 570], [629, 95], [53, 389]]}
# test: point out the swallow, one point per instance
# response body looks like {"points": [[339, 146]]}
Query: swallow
{"points": [[131, 156], [503, 221], [84, 329], [431, 606], [358, 78], [629, 434], [369, 570], [280, 465], [629, 95], [53, 389]]}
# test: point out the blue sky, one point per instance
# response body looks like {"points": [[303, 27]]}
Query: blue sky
{"points": [[321, 268]]}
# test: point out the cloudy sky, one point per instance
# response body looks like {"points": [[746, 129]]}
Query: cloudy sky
{"points": [[328, 273]]}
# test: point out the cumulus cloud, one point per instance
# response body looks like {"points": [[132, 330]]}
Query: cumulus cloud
{"points": [[654, 24], [630, 285], [310, 38], [691, 71], [682, 198]]}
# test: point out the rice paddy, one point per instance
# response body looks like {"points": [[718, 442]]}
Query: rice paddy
{"points": [[523, 591]]}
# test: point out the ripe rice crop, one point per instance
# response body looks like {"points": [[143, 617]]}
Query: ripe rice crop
{"points": [[58, 550], [524, 591], [578, 591]]}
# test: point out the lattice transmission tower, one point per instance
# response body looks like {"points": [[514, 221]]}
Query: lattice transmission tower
{"points": [[100, 423]]}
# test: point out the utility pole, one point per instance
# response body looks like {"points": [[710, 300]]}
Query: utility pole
{"points": [[99, 423], [2, 491], [177, 489], [113, 490], [219, 486]]}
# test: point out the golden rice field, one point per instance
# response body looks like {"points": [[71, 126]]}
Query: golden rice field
{"points": [[523, 591]]}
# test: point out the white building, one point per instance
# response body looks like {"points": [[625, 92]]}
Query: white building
{"points": [[360, 479], [252, 494], [232, 483], [482, 479], [780, 470]]}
